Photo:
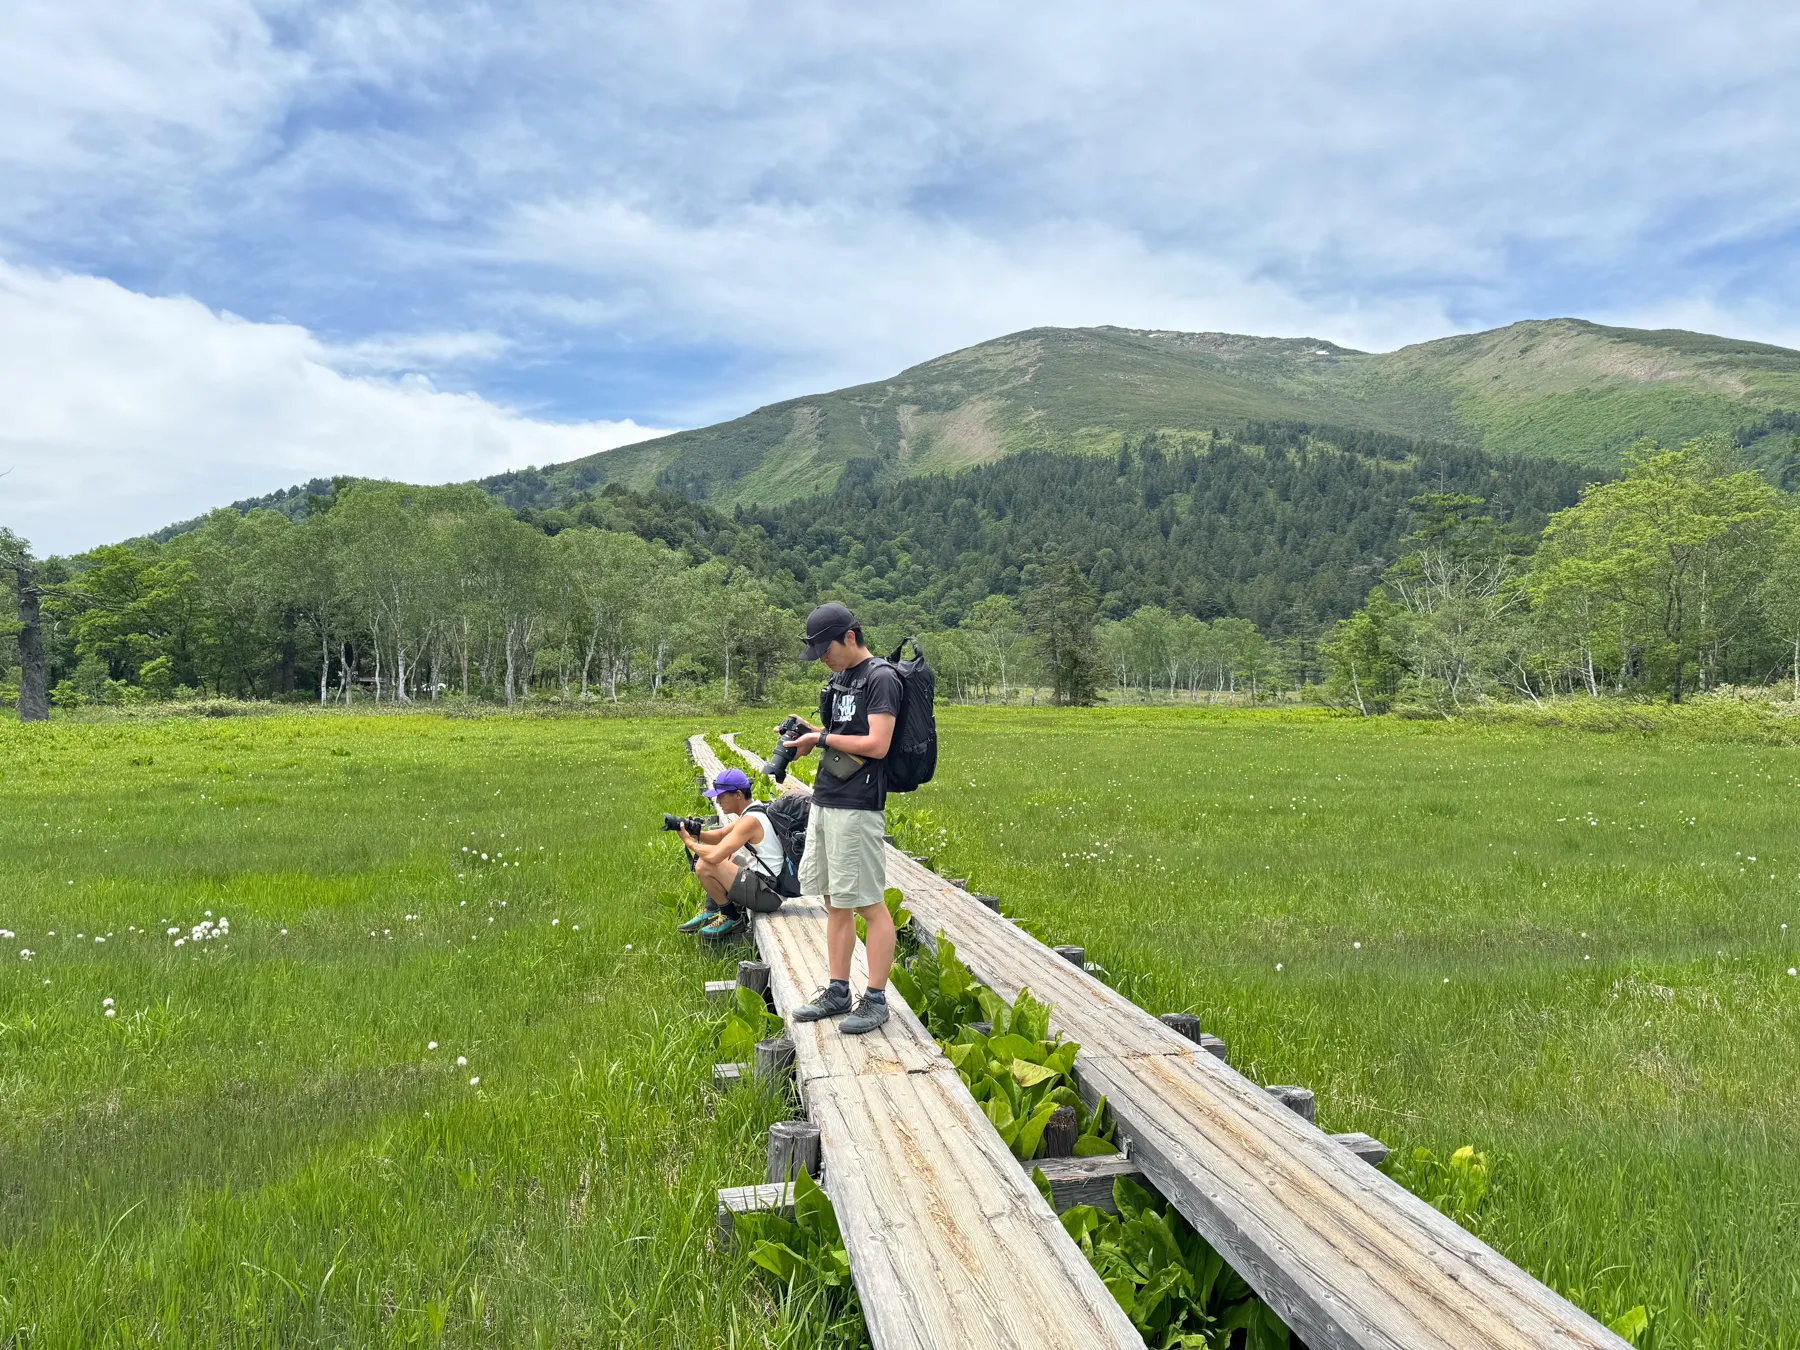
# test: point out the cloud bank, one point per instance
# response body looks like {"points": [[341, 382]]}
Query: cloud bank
{"points": [[127, 413]]}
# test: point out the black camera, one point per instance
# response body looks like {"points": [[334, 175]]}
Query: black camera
{"points": [[692, 824], [778, 762]]}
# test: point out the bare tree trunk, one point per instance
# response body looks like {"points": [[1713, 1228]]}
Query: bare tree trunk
{"points": [[34, 673], [324, 663]]}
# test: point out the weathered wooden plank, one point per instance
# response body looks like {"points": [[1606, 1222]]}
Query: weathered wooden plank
{"points": [[1086, 1181], [1370, 1149], [776, 1196], [949, 1240]]}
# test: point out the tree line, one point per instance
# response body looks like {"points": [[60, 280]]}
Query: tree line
{"points": [[1040, 573], [1680, 576]]}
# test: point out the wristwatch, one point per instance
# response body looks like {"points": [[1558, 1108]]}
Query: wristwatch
{"points": [[821, 740]]}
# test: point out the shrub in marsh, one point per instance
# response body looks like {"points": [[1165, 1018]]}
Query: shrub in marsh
{"points": [[1017, 1071], [748, 1022], [1173, 1286], [806, 1259]]}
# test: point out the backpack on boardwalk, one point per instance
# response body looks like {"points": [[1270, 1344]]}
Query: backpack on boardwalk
{"points": [[912, 758], [788, 815]]}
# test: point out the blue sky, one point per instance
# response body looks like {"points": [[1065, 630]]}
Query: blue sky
{"points": [[242, 244]]}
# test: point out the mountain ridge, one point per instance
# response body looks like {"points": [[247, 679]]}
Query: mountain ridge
{"points": [[1564, 388]]}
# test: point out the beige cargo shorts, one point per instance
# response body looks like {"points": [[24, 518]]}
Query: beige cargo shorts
{"points": [[844, 860]]}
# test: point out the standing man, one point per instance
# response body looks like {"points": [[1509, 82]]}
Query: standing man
{"points": [[843, 860]]}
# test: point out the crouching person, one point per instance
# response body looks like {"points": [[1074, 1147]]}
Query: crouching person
{"points": [[739, 866]]}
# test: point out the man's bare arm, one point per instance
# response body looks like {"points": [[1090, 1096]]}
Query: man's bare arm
{"points": [[872, 746]]}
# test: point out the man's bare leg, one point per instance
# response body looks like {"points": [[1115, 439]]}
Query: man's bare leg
{"points": [[715, 879], [840, 939], [878, 928]]}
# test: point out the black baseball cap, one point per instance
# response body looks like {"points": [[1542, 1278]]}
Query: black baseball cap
{"points": [[824, 626]]}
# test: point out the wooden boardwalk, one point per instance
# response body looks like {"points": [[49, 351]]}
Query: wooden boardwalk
{"points": [[949, 1242], [1346, 1256]]}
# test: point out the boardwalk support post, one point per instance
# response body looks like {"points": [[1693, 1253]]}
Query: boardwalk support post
{"points": [[1183, 1024], [774, 1061], [1299, 1100], [1075, 956], [1059, 1134], [754, 976], [793, 1149]]}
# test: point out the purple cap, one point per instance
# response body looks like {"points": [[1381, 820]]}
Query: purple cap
{"points": [[731, 780]]}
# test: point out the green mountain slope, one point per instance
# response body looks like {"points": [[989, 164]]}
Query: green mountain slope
{"points": [[1562, 389]]}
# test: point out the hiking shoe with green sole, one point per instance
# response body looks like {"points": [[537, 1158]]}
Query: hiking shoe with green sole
{"points": [[870, 1013], [699, 921], [828, 1002], [723, 927]]}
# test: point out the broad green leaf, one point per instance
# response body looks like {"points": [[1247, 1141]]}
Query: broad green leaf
{"points": [[1029, 1075], [901, 978], [1011, 1046], [1031, 1132], [780, 1261], [765, 1225], [813, 1212], [998, 1111], [1042, 1183], [1124, 1291], [1093, 1146], [1131, 1199], [1631, 1324]]}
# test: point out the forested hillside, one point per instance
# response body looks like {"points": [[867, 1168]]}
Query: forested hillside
{"points": [[1560, 389], [1281, 527]]}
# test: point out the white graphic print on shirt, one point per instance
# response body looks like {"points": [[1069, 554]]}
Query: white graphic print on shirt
{"points": [[846, 707]]}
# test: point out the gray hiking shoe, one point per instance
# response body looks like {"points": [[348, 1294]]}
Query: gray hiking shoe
{"points": [[870, 1013], [828, 1002]]}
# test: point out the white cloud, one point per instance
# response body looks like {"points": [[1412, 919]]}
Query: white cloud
{"points": [[124, 412]]}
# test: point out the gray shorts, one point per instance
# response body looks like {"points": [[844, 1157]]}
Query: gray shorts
{"points": [[844, 860]]}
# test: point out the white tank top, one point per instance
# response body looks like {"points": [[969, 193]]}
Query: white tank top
{"points": [[768, 854]]}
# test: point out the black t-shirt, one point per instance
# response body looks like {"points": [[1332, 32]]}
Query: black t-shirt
{"points": [[844, 708]]}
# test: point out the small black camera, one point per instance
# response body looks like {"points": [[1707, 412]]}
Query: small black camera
{"points": [[692, 824], [778, 762]]}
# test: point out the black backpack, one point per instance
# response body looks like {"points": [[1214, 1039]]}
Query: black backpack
{"points": [[788, 815], [912, 757]]}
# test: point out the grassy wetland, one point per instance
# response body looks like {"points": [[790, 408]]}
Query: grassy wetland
{"points": [[261, 1145], [1572, 951], [1566, 949]]}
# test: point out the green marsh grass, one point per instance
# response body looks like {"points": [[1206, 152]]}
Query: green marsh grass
{"points": [[258, 1147], [1564, 948]]}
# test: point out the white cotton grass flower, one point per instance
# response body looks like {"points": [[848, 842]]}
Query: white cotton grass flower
{"points": [[475, 1081], [1278, 965], [106, 1003], [112, 1012], [462, 1061], [431, 1045], [1794, 970], [25, 954]]}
